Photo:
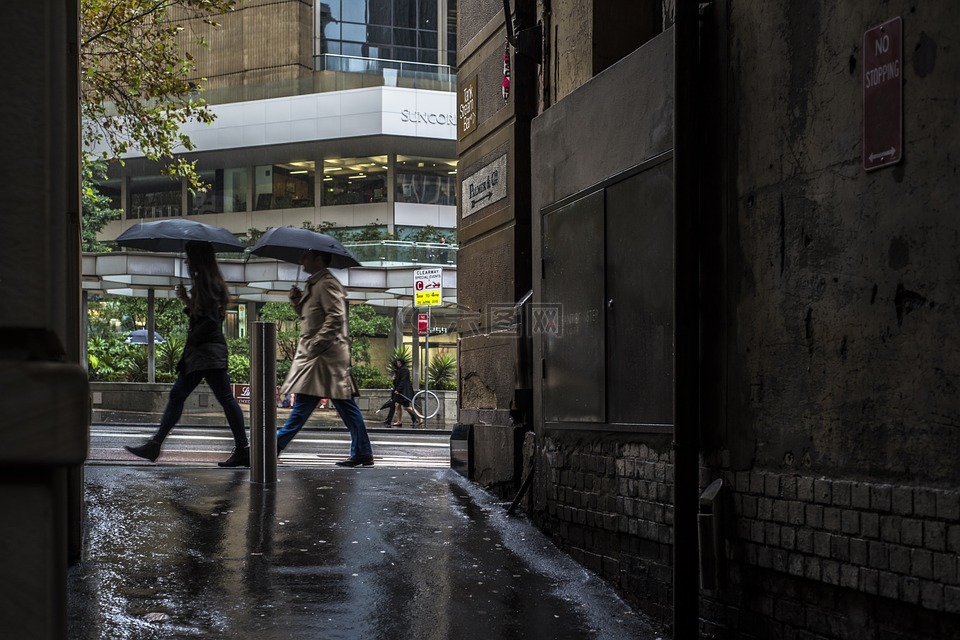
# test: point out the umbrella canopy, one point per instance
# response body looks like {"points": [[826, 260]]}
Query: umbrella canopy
{"points": [[288, 244], [171, 235], [141, 336]]}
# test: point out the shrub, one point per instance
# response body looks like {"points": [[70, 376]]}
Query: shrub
{"points": [[370, 378], [238, 368], [443, 371]]}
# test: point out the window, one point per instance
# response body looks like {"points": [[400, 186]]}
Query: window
{"points": [[404, 30], [155, 197], [354, 180], [426, 180], [284, 186], [226, 192]]}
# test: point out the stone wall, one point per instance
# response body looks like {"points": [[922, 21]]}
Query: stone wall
{"points": [[830, 350]]}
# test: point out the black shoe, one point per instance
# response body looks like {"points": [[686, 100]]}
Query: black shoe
{"points": [[150, 450], [357, 461], [239, 458]]}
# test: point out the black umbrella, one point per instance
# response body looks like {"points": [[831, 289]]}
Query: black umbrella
{"points": [[288, 244], [171, 235]]}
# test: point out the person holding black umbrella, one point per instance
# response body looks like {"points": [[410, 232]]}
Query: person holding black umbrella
{"points": [[402, 393], [321, 366], [204, 356]]}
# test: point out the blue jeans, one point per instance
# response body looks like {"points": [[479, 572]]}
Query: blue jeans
{"points": [[219, 383], [348, 411]]}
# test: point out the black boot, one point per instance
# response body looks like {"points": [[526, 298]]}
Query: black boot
{"points": [[239, 458], [149, 450]]}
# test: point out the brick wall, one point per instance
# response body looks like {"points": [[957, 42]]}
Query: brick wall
{"points": [[900, 542], [608, 504], [832, 558]]}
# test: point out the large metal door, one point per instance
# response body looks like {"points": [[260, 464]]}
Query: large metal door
{"points": [[639, 295], [573, 367], [608, 276]]}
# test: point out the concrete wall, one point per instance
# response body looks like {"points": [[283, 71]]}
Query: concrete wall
{"points": [[259, 43], [140, 402], [44, 433], [830, 357], [494, 260]]}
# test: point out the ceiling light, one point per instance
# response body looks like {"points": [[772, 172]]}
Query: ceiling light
{"points": [[298, 172]]}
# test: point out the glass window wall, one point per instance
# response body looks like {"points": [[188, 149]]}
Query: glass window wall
{"points": [[404, 30], [284, 186], [226, 192], [354, 180], [155, 197], [426, 180]]}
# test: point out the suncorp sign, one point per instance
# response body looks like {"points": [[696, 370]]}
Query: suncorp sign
{"points": [[429, 118]]}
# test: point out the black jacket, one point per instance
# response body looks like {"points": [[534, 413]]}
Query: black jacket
{"points": [[402, 386], [206, 348]]}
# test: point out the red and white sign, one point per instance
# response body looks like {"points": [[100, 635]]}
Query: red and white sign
{"points": [[883, 95], [423, 322]]}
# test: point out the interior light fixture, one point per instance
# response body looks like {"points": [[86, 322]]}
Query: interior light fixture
{"points": [[298, 172]]}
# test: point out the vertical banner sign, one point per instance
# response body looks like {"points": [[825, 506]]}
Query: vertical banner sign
{"points": [[505, 87], [427, 287], [467, 108], [883, 95], [423, 323]]}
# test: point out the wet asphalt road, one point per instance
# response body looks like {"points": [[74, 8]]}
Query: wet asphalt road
{"points": [[200, 552]]}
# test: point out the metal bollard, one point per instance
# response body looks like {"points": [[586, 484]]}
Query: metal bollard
{"points": [[263, 406]]}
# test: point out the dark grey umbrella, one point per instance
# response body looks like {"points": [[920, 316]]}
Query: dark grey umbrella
{"points": [[171, 235], [142, 336], [288, 244]]}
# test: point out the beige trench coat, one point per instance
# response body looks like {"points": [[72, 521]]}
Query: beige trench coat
{"points": [[321, 366]]}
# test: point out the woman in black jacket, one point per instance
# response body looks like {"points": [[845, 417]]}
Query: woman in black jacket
{"points": [[403, 393], [204, 356]]}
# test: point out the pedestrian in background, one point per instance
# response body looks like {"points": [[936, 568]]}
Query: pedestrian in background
{"points": [[204, 356], [403, 393], [391, 402], [321, 366]]}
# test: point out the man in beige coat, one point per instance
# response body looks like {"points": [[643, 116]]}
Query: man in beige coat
{"points": [[321, 366]]}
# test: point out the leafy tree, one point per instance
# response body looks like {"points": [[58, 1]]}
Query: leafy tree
{"points": [[365, 323], [288, 328], [136, 86], [426, 233], [96, 206], [111, 318]]}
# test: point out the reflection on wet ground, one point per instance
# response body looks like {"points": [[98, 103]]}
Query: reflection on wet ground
{"points": [[174, 552]]}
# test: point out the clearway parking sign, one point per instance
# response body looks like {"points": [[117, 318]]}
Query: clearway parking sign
{"points": [[427, 287]]}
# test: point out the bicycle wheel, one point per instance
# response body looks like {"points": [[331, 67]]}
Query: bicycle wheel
{"points": [[426, 404]]}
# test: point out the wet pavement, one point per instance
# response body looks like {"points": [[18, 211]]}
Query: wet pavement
{"points": [[393, 554]]}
